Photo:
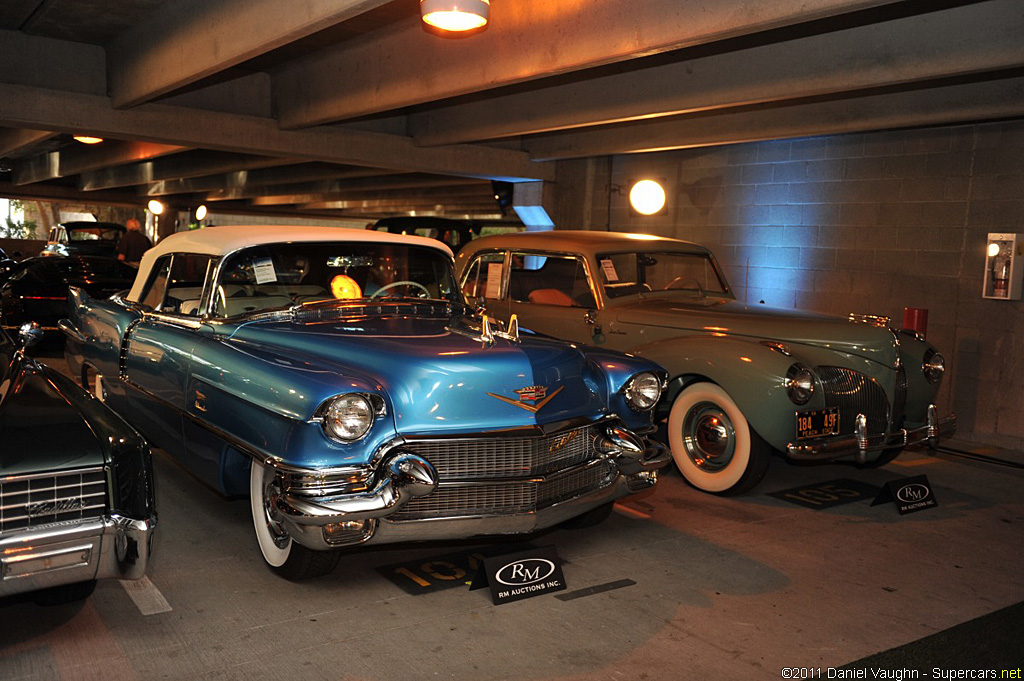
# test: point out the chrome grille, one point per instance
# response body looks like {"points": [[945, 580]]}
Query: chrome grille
{"points": [[506, 457], [855, 393], [28, 501], [458, 500]]}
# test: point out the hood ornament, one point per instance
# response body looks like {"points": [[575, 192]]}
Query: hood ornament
{"points": [[488, 333], [537, 394]]}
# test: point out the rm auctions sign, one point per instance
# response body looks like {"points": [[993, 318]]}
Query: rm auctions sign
{"points": [[522, 575], [909, 494]]}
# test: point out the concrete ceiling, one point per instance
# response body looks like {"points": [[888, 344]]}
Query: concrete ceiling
{"points": [[350, 108]]}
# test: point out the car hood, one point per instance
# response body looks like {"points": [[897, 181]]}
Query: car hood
{"points": [[762, 322], [438, 375], [42, 431]]}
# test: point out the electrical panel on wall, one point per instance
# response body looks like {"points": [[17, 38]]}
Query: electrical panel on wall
{"points": [[1004, 266]]}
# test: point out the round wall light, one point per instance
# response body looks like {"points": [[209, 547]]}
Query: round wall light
{"points": [[993, 250], [647, 197], [155, 207], [455, 15], [201, 212]]}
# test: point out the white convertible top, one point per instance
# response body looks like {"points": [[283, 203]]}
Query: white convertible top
{"points": [[223, 240]]}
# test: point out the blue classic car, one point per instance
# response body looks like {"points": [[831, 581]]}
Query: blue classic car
{"points": [[76, 484], [339, 379]]}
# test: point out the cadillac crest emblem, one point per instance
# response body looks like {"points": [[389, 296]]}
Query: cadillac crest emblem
{"points": [[531, 398]]}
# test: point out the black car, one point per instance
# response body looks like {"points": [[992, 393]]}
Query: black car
{"points": [[454, 233], [36, 290], [76, 484], [84, 238]]}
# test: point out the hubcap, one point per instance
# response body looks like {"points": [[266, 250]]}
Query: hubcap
{"points": [[271, 492], [709, 437]]}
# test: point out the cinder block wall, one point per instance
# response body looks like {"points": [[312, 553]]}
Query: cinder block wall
{"points": [[869, 223]]}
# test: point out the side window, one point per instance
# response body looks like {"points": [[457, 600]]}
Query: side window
{"points": [[618, 274], [559, 280], [156, 287], [185, 284], [483, 277]]}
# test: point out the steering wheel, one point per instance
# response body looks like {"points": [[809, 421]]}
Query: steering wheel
{"points": [[404, 282], [679, 280]]}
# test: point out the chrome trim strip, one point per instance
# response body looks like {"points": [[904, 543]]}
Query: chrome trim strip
{"points": [[36, 476]]}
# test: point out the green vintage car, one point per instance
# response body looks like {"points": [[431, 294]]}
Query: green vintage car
{"points": [[746, 380]]}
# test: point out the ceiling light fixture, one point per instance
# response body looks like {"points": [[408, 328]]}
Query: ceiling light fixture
{"points": [[155, 207], [85, 139], [647, 197], [455, 15]]}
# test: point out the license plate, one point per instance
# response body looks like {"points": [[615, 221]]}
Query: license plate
{"points": [[817, 423]]}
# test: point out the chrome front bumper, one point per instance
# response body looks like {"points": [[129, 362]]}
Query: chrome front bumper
{"points": [[364, 517], [861, 444], [67, 553]]}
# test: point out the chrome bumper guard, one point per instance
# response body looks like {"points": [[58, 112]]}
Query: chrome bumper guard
{"points": [[630, 453], [404, 475], [860, 444], [113, 547]]}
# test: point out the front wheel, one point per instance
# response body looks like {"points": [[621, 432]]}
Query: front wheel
{"points": [[714, 447], [285, 557]]}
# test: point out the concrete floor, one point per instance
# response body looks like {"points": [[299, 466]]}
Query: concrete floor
{"points": [[735, 588]]}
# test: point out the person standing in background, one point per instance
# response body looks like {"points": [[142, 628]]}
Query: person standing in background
{"points": [[133, 244]]}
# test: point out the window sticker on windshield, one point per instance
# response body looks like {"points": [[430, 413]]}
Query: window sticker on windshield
{"points": [[608, 267], [493, 280], [263, 268]]}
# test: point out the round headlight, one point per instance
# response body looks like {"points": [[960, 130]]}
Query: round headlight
{"points": [[934, 366], [348, 417], [799, 384], [643, 391]]}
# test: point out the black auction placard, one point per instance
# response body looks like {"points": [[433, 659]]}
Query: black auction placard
{"points": [[516, 576], [909, 494]]}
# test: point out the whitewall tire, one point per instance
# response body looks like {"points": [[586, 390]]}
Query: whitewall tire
{"points": [[284, 556], [712, 444]]}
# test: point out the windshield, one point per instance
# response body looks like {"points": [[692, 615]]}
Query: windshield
{"points": [[94, 233], [277, 275], [692, 274]]}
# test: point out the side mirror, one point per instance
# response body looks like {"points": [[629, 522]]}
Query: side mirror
{"points": [[30, 334]]}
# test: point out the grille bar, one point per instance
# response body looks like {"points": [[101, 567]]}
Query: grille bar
{"points": [[855, 393], [40, 499], [514, 457], [504, 498]]}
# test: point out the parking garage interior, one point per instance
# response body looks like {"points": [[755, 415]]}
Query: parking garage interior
{"points": [[838, 156]]}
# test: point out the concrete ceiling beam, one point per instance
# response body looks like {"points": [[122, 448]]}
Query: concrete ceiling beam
{"points": [[404, 65], [22, 106], [13, 140], [186, 41], [987, 100], [80, 158], [959, 41], [260, 180]]}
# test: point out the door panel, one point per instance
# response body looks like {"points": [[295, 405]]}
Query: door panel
{"points": [[157, 365]]}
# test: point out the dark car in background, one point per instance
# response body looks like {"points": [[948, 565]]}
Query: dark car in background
{"points": [[76, 484], [453, 233], [36, 290], [84, 238]]}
